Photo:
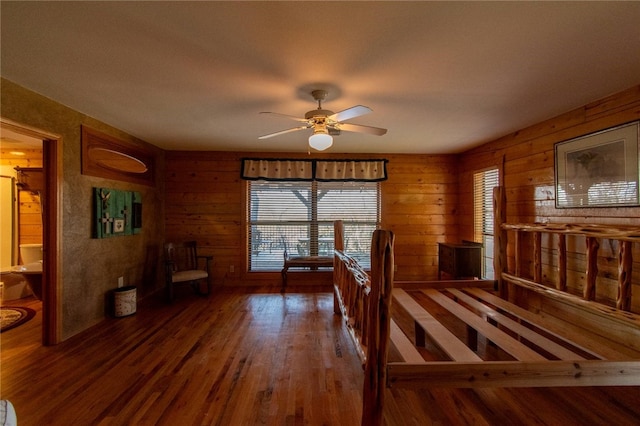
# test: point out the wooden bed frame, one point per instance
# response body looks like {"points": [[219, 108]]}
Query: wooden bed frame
{"points": [[584, 342]]}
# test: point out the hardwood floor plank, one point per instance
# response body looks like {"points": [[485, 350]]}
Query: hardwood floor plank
{"points": [[245, 357]]}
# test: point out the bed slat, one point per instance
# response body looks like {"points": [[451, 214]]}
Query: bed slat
{"points": [[599, 348], [500, 338], [442, 337], [405, 347], [544, 343]]}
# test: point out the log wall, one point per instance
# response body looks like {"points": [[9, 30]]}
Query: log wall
{"points": [[526, 162], [206, 201], [30, 214], [427, 199]]}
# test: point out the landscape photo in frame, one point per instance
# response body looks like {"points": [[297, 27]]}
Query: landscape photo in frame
{"points": [[599, 169]]}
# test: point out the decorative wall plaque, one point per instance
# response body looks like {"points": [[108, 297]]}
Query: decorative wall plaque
{"points": [[107, 157], [116, 212]]}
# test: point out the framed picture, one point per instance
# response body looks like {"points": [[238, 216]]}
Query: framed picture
{"points": [[599, 169]]}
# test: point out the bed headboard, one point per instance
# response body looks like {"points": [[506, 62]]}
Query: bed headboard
{"points": [[528, 242]]}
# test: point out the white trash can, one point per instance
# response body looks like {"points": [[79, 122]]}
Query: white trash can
{"points": [[124, 301]]}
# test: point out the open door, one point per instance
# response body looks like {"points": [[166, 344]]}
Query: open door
{"points": [[51, 226]]}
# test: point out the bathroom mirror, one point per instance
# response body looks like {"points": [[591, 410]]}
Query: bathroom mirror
{"points": [[107, 157]]}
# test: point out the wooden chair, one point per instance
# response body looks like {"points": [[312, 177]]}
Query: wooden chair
{"points": [[184, 266]]}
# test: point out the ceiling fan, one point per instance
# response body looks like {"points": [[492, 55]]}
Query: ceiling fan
{"points": [[326, 124]]}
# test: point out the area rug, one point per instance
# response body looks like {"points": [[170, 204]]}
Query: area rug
{"points": [[13, 316]]}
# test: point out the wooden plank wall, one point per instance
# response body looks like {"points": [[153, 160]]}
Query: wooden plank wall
{"points": [[30, 214], [205, 200], [526, 161], [419, 204], [427, 199]]}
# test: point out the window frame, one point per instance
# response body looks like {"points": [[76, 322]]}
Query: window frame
{"points": [[483, 183], [317, 226]]}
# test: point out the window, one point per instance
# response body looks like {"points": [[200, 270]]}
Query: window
{"points": [[483, 184], [298, 216]]}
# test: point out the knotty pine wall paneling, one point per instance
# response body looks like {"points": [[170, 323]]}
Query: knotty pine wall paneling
{"points": [[30, 213], [427, 198], [526, 159], [206, 201], [419, 204]]}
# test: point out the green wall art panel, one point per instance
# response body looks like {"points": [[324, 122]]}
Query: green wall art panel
{"points": [[117, 213]]}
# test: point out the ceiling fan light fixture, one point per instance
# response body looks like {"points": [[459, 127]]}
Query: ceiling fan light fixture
{"points": [[326, 124], [320, 140]]}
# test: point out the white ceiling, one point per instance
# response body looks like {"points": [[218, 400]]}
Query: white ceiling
{"points": [[441, 76]]}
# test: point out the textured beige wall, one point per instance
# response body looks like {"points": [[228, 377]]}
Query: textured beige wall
{"points": [[90, 267]]}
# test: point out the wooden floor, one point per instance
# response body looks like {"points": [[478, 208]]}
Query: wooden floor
{"points": [[250, 358]]}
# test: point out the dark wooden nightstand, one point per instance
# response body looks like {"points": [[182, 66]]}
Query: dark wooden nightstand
{"points": [[462, 260]]}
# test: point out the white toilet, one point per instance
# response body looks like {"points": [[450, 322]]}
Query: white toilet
{"points": [[31, 253], [31, 268]]}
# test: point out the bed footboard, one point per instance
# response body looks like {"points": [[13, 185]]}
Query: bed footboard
{"points": [[497, 342]]}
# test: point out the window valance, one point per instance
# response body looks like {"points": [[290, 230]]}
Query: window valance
{"points": [[320, 170]]}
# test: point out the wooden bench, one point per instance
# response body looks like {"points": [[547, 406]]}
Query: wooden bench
{"points": [[312, 262]]}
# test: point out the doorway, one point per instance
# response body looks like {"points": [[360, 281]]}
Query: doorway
{"points": [[51, 223]]}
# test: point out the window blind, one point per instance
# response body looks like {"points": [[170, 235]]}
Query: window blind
{"points": [[298, 216], [483, 184]]}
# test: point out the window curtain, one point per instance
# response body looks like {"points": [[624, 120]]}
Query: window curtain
{"points": [[319, 170]]}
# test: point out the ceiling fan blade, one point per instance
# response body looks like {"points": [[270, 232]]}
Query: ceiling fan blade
{"points": [[282, 132], [362, 129], [290, 117], [350, 113]]}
